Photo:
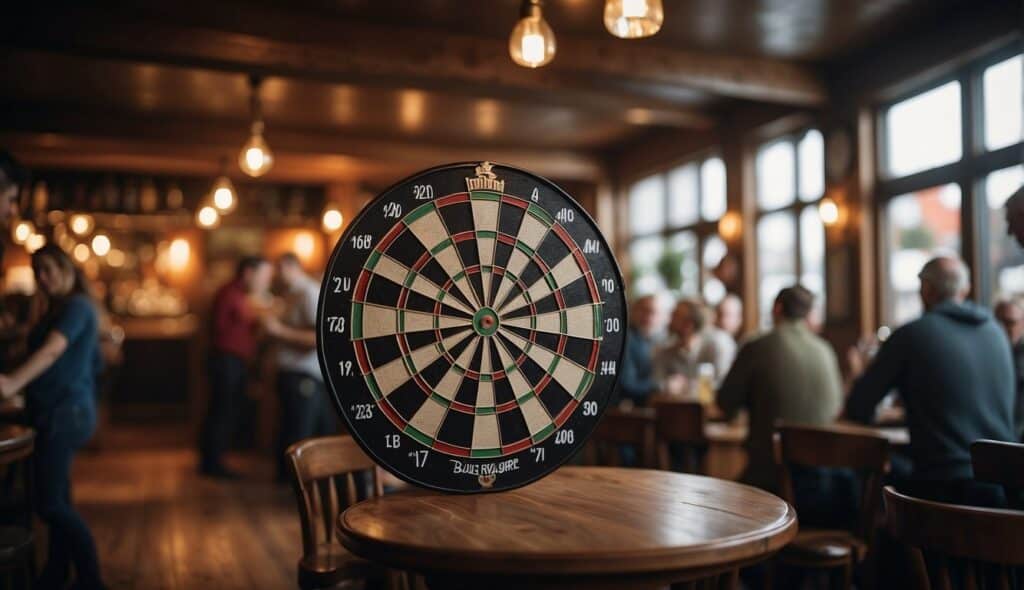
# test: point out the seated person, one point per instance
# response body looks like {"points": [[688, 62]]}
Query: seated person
{"points": [[677, 364], [647, 320], [1010, 313], [729, 315], [953, 371], [790, 375]]}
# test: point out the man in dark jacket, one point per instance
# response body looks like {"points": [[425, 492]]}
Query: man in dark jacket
{"points": [[953, 371]]}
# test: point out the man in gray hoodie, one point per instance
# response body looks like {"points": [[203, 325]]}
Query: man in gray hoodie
{"points": [[953, 371]]}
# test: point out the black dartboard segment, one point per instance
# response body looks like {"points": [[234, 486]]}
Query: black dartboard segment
{"points": [[470, 327]]}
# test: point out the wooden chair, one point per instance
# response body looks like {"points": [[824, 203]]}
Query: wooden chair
{"points": [[954, 546], [836, 550], [680, 424], [325, 477], [1000, 463], [618, 428], [17, 541]]}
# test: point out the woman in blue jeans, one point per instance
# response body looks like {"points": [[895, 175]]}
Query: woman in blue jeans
{"points": [[59, 382]]}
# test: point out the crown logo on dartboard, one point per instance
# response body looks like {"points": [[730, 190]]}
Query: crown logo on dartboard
{"points": [[486, 179]]}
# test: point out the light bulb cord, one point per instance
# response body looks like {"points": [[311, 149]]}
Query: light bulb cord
{"points": [[531, 9]]}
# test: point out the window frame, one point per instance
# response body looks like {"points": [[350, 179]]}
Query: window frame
{"points": [[795, 210], [968, 173], [702, 229]]}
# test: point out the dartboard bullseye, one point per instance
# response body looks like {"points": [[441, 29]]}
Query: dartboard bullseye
{"points": [[470, 327]]}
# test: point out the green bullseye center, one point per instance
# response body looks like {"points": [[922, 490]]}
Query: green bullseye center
{"points": [[485, 321]]}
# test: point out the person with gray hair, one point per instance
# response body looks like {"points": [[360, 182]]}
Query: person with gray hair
{"points": [[953, 371]]}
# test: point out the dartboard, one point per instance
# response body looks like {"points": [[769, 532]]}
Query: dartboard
{"points": [[470, 327]]}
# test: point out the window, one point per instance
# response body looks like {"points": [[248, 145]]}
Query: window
{"points": [[1001, 87], [943, 185], [790, 179], [920, 225], [673, 216]]}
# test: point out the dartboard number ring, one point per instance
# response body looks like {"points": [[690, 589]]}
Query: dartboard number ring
{"points": [[470, 327]]}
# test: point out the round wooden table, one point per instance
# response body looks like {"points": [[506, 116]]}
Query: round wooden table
{"points": [[592, 527]]}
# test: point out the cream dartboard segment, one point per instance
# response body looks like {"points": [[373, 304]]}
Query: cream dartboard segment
{"points": [[471, 327]]}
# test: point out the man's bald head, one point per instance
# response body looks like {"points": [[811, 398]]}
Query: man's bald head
{"points": [[944, 278]]}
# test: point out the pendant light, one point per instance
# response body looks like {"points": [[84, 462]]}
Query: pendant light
{"points": [[633, 19], [222, 194], [255, 158], [532, 43]]}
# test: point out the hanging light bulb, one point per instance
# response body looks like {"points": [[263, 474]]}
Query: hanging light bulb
{"points": [[81, 224], [255, 158], [22, 231], [223, 193], [332, 219], [100, 245], [207, 217], [532, 43], [633, 19], [35, 242]]}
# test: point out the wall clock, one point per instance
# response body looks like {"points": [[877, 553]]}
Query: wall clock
{"points": [[471, 327]]}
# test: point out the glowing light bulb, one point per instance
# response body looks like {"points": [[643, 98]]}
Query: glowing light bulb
{"points": [[332, 220], [224, 195], [100, 245], [305, 245], [255, 159], [730, 225], [532, 43], [207, 217], [633, 19], [81, 224], [81, 252], [116, 258], [179, 253], [22, 231], [828, 210], [35, 242]]}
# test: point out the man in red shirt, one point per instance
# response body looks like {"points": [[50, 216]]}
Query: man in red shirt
{"points": [[233, 344]]}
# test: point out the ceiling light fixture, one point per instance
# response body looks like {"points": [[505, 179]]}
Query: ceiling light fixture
{"points": [[255, 158], [633, 19], [222, 194], [532, 43]]}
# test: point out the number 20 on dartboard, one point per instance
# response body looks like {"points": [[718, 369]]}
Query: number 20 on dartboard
{"points": [[470, 327]]}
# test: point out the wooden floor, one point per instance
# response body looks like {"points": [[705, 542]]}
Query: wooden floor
{"points": [[158, 525]]}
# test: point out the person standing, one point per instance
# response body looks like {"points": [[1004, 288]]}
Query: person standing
{"points": [[305, 409], [953, 371], [235, 325], [59, 381], [646, 321]]}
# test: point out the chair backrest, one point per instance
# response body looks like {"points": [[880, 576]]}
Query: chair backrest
{"points": [[329, 474], [682, 423], [837, 447], [999, 463], [947, 541], [625, 427]]}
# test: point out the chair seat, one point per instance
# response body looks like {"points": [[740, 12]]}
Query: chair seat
{"points": [[15, 543], [332, 564], [823, 548]]}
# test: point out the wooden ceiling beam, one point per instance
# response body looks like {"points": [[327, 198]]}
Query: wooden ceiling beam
{"points": [[196, 146]]}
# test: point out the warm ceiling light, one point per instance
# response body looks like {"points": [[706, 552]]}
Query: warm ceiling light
{"points": [[224, 198], [116, 258], [255, 159], [81, 224], [100, 245], [22, 231], [633, 19], [35, 242], [304, 245], [81, 252], [730, 226], [179, 253], [828, 210], [332, 219], [532, 43], [207, 217]]}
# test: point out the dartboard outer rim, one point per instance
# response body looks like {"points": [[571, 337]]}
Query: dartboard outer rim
{"points": [[353, 431]]}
